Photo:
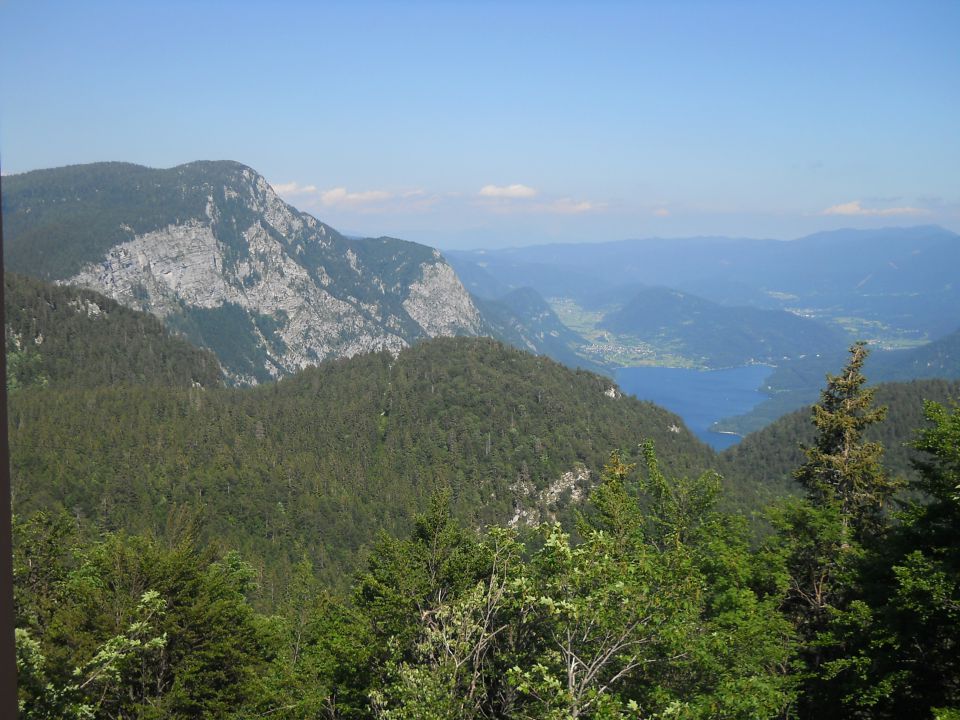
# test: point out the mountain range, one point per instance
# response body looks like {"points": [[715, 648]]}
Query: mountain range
{"points": [[121, 423], [895, 286], [221, 260]]}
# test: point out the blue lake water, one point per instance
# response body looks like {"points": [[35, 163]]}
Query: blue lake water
{"points": [[700, 397]]}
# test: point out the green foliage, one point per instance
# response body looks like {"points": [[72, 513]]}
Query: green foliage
{"points": [[125, 626], [645, 616], [658, 611], [940, 472], [820, 538], [64, 337], [765, 460], [454, 667], [900, 634], [130, 602], [321, 462], [875, 605]]}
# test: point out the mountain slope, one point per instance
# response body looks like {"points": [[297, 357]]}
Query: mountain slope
{"points": [[319, 462], [523, 319], [68, 337], [937, 359], [211, 249], [768, 457], [797, 383]]}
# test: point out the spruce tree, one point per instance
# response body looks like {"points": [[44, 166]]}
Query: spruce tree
{"points": [[822, 538], [842, 469]]}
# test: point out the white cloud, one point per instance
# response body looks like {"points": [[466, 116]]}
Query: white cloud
{"points": [[292, 188], [507, 191], [340, 196], [560, 206], [568, 206], [366, 202], [856, 208]]}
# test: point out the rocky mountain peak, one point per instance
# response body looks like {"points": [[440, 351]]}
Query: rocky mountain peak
{"points": [[210, 248]]}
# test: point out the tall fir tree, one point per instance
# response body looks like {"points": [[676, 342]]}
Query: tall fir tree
{"points": [[822, 537], [842, 468]]}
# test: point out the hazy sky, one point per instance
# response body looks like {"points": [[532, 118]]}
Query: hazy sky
{"points": [[504, 123]]}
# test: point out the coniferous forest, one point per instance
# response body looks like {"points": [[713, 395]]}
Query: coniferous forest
{"points": [[387, 537]]}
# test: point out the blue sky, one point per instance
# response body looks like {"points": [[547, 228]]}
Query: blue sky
{"points": [[506, 123]]}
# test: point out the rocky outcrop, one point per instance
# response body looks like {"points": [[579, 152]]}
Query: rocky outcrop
{"points": [[532, 507], [439, 303]]}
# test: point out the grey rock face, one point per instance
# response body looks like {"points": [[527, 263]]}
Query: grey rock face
{"points": [[272, 290], [439, 303]]}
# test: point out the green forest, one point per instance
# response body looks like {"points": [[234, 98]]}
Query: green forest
{"points": [[462, 530]]}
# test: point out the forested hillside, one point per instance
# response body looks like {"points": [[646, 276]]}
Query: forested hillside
{"points": [[659, 608], [320, 462], [378, 537], [456, 531], [768, 457], [66, 337], [525, 320], [797, 382]]}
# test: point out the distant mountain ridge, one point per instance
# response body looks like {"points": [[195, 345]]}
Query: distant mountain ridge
{"points": [[903, 278], [211, 249]]}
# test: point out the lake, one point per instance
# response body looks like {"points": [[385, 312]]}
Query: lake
{"points": [[700, 397]]}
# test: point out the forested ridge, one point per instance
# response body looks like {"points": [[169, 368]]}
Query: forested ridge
{"points": [[320, 462], [468, 531], [714, 335]]}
